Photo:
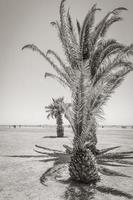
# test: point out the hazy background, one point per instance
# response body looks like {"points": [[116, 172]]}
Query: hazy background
{"points": [[23, 90]]}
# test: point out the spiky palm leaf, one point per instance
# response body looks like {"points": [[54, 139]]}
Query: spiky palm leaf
{"points": [[60, 80]]}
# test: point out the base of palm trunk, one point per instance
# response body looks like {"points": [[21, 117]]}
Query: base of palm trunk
{"points": [[60, 132], [83, 167]]}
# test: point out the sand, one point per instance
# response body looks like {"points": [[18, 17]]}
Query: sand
{"points": [[20, 176]]}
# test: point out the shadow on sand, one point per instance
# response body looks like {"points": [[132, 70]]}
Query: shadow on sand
{"points": [[58, 174], [78, 191], [54, 137]]}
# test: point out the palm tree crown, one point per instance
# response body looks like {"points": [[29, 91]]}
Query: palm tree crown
{"points": [[55, 108]]}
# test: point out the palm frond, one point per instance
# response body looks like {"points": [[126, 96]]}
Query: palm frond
{"points": [[104, 73], [125, 162], [105, 49], [78, 27], [60, 80], [55, 67], [72, 32], [49, 115], [115, 18], [120, 161], [102, 163], [49, 149], [70, 21], [85, 32], [49, 51], [115, 156], [111, 21], [103, 151], [113, 48], [117, 11], [123, 153], [68, 37], [103, 91], [65, 45], [68, 149], [67, 70], [98, 31]]}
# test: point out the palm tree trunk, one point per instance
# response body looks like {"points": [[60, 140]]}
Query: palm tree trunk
{"points": [[60, 128], [83, 165], [90, 138]]}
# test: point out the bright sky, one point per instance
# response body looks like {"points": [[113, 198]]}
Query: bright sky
{"points": [[24, 91]]}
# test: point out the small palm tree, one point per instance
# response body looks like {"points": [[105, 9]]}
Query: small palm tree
{"points": [[96, 67], [56, 111]]}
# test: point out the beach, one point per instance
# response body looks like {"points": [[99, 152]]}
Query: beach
{"points": [[21, 167]]}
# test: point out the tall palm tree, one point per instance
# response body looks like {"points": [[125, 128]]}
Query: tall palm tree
{"points": [[96, 67], [56, 111]]}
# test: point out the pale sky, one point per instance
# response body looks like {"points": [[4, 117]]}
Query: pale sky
{"points": [[24, 91]]}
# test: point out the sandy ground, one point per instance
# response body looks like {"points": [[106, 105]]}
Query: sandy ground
{"points": [[20, 177]]}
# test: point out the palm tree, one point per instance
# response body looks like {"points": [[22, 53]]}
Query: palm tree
{"points": [[96, 67], [56, 111]]}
